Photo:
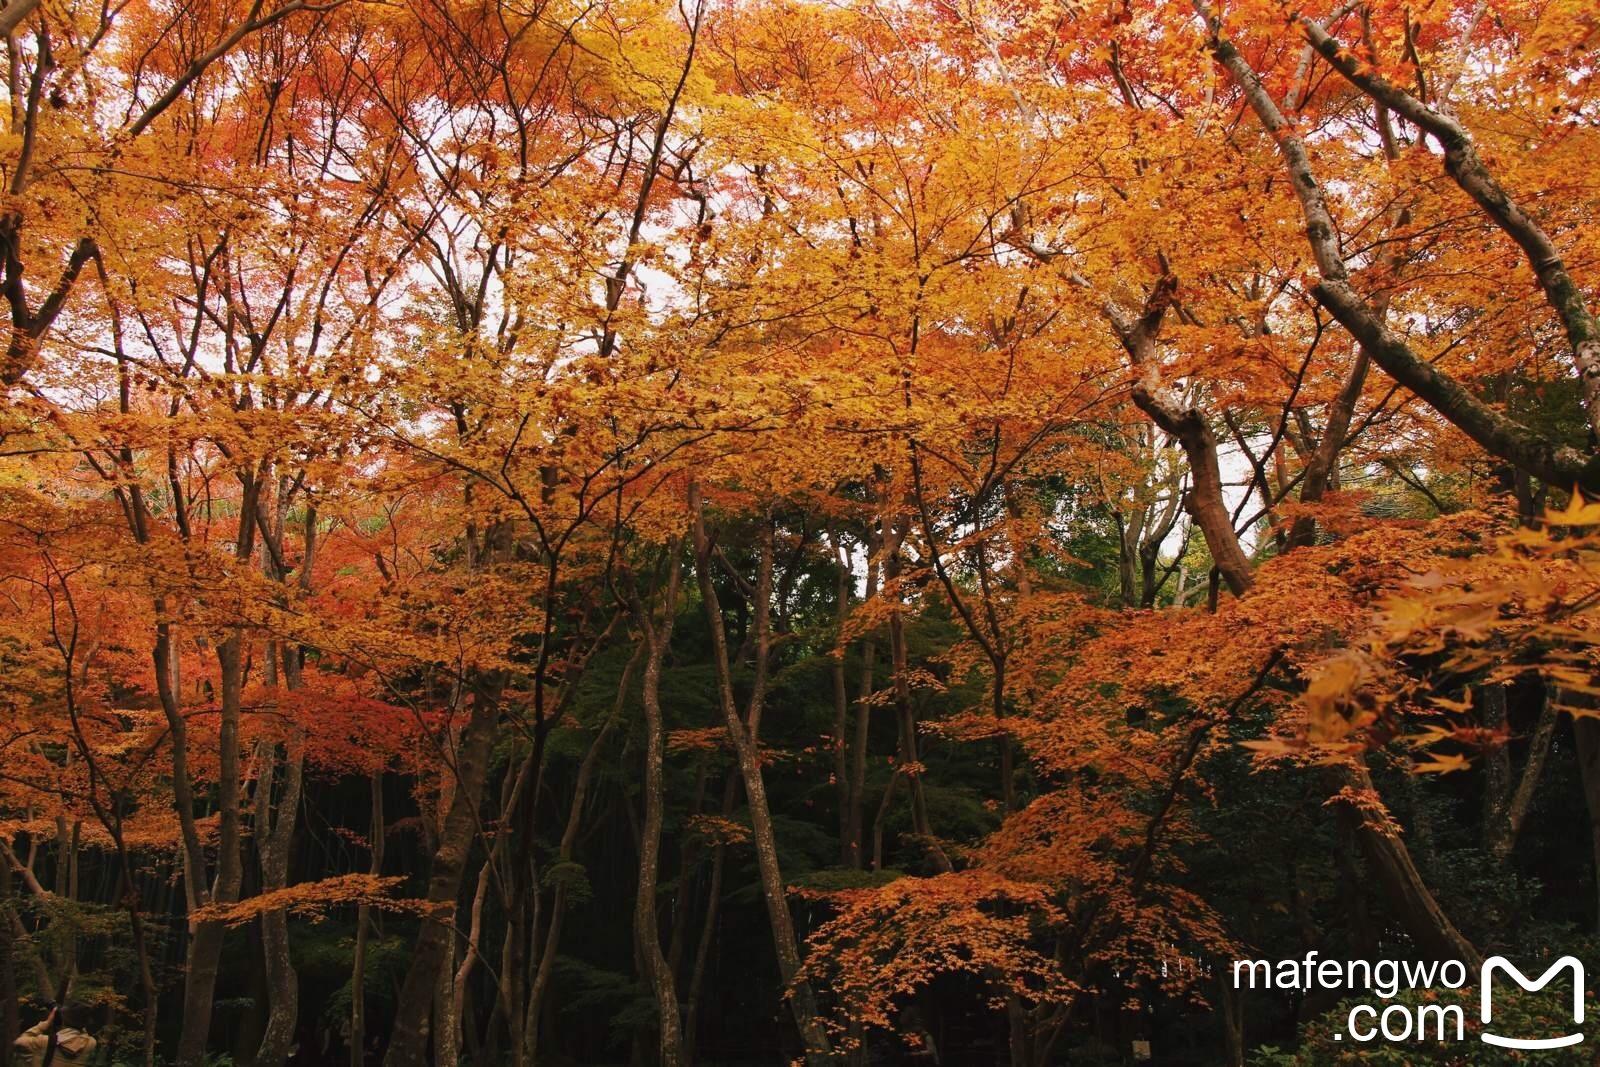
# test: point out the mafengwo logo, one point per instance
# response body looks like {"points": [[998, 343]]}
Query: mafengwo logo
{"points": [[1398, 1023], [1500, 965]]}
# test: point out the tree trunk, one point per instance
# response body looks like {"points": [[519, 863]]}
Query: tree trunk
{"points": [[409, 1040], [1324, 463], [1516, 812], [446, 1049], [275, 827], [1205, 502], [647, 934], [849, 851], [358, 972], [469, 955], [861, 743], [1496, 771], [1149, 556], [702, 950], [905, 713], [283, 987], [1231, 1003], [1128, 556], [1396, 877], [10, 1023], [743, 734], [204, 956]]}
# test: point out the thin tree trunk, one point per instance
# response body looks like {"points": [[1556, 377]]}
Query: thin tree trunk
{"points": [[441, 1029], [743, 734], [283, 987], [1322, 469], [1205, 502], [863, 724], [689, 850], [910, 763], [204, 956], [275, 827], [445, 1029], [569, 839], [358, 973], [702, 951], [1516, 812], [1391, 869], [878, 819], [1129, 527], [435, 941], [1496, 772], [841, 706], [10, 1023], [1231, 1002], [647, 934], [469, 954], [1324, 462], [501, 867]]}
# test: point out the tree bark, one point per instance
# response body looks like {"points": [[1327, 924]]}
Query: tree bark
{"points": [[743, 733], [910, 765], [1389, 865], [275, 824], [1496, 771], [849, 852], [445, 1026], [1231, 1002], [358, 971], [1130, 525], [1205, 502], [409, 1041], [283, 986], [1324, 461], [1466, 168], [1516, 810], [1496, 433], [647, 934], [10, 1024], [862, 741], [203, 958]]}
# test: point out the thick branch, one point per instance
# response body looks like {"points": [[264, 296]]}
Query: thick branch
{"points": [[1204, 501], [1462, 163], [1495, 432], [1499, 434]]}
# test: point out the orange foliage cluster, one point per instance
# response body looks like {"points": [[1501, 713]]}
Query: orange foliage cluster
{"points": [[364, 360]]}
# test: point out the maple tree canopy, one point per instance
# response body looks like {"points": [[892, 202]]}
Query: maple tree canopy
{"points": [[766, 531]]}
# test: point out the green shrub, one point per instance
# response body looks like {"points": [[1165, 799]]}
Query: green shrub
{"points": [[1325, 1042]]}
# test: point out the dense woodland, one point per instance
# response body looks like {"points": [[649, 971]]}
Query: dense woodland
{"points": [[771, 531]]}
